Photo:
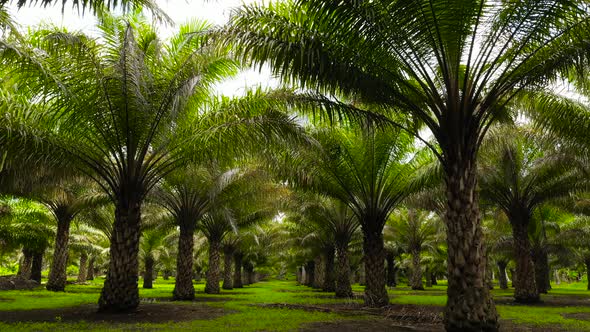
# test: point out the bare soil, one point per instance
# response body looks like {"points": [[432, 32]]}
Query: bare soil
{"points": [[147, 313]]}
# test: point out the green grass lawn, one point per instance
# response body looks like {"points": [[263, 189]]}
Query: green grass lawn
{"points": [[244, 309]]}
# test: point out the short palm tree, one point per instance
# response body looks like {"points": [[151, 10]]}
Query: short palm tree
{"points": [[452, 64], [371, 171], [416, 231]]}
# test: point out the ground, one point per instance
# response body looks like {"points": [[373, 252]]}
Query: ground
{"points": [[277, 306]]}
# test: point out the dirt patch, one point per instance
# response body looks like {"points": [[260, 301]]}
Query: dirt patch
{"points": [[146, 313], [368, 326], [548, 301], [578, 316], [196, 299]]}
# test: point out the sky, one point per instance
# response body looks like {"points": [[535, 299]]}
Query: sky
{"points": [[214, 11]]}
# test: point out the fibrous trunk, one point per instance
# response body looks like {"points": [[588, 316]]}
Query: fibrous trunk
{"points": [[57, 272], [502, 280], [343, 287], [90, 271], [82, 267], [238, 270], [24, 268], [416, 280], [329, 273], [525, 286], [391, 270], [318, 280], [183, 285], [433, 280], [469, 305], [309, 275], [227, 270], [148, 274], [541, 262], [375, 291], [212, 285], [37, 265], [587, 272], [120, 292]]}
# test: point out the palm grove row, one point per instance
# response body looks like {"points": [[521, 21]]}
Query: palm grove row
{"points": [[420, 118]]}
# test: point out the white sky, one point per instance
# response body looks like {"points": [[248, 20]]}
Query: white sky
{"points": [[214, 11]]}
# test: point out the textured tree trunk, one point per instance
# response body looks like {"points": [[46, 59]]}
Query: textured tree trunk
{"points": [[541, 262], [90, 273], [120, 292], [416, 280], [525, 287], [318, 280], [24, 268], [148, 275], [238, 270], [57, 271], [310, 270], [375, 291], [183, 285], [428, 278], [469, 306], [433, 280], [298, 274], [82, 270], [587, 272], [391, 271], [343, 287], [251, 275], [329, 272], [212, 285], [502, 275], [37, 265], [227, 270]]}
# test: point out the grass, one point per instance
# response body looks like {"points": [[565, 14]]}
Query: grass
{"points": [[244, 310]]}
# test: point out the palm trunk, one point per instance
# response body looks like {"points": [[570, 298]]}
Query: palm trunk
{"points": [[90, 273], [299, 275], [318, 280], [469, 306], [343, 287], [433, 280], [227, 270], [391, 280], [120, 292], [148, 275], [57, 271], [541, 262], [428, 278], [502, 275], [310, 270], [82, 270], [238, 270], [183, 285], [525, 287], [251, 275], [24, 269], [212, 285], [416, 280], [588, 272], [37, 265], [330, 274], [375, 291]]}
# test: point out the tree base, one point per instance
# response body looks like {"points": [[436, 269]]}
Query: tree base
{"points": [[527, 299], [55, 288]]}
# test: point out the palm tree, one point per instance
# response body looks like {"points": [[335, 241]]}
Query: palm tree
{"points": [[27, 224], [132, 110], [371, 171], [156, 235], [188, 194], [452, 64], [416, 231], [574, 235], [518, 174]]}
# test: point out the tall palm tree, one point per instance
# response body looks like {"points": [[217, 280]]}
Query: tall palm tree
{"points": [[452, 64], [131, 110], [518, 174]]}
